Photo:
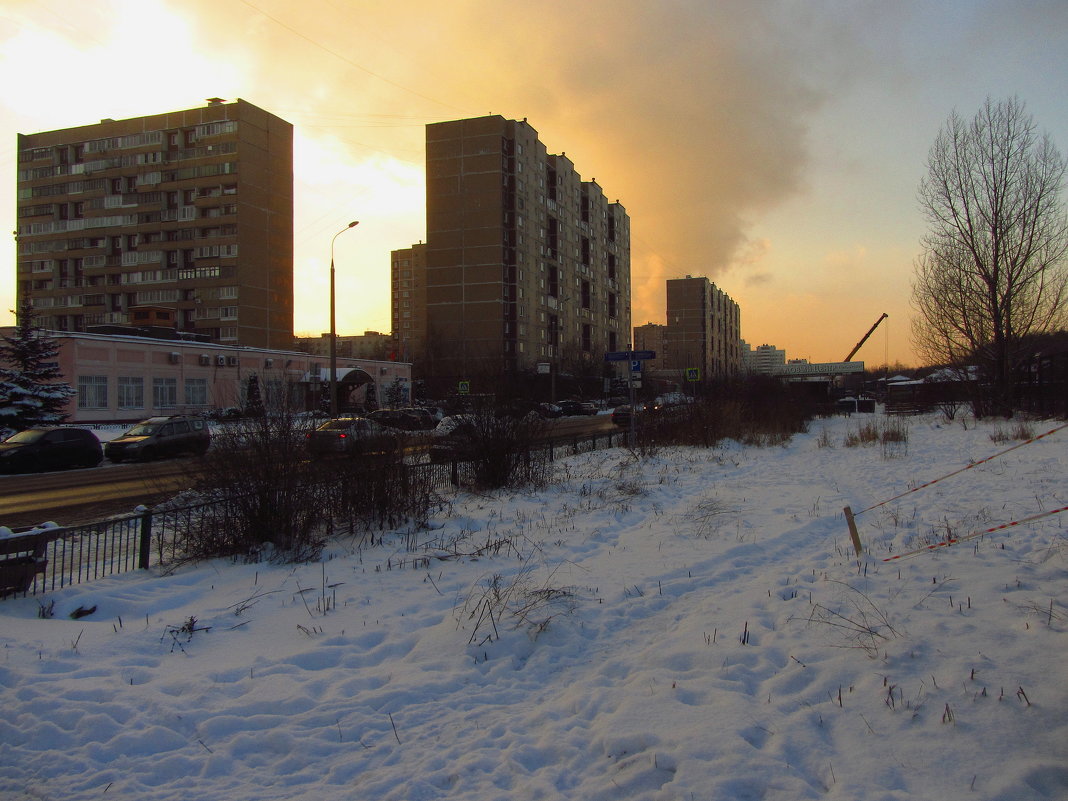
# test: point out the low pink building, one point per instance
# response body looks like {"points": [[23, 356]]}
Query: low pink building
{"points": [[129, 378]]}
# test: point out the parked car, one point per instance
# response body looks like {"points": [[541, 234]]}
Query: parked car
{"points": [[436, 412], [454, 439], [403, 419], [621, 415], [352, 436], [424, 418], [49, 449], [160, 438], [575, 407], [550, 411]]}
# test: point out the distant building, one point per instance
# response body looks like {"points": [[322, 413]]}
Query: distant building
{"points": [[368, 345], [651, 337], [763, 359], [525, 260], [129, 378], [190, 211], [703, 329], [408, 301]]}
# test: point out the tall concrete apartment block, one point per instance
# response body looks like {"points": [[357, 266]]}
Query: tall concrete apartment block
{"points": [[183, 220], [762, 359], [703, 329], [651, 337], [408, 301], [525, 261]]}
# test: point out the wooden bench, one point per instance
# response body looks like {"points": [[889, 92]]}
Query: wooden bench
{"points": [[22, 557]]}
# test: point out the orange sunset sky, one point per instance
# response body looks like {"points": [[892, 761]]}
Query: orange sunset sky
{"points": [[774, 147]]}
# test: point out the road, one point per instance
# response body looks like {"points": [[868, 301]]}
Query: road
{"points": [[72, 497]]}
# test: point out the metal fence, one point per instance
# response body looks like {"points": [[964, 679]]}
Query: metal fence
{"points": [[45, 560]]}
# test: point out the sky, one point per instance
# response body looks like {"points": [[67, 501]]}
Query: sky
{"points": [[640, 632], [774, 147]]}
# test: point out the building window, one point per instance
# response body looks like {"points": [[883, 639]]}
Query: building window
{"points": [[586, 296], [92, 392], [131, 392], [196, 391], [164, 392]]}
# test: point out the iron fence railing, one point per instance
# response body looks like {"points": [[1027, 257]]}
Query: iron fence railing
{"points": [[45, 560]]}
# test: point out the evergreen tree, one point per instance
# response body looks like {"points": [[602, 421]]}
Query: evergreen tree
{"points": [[32, 392]]}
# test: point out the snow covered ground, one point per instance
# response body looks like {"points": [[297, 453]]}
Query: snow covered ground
{"points": [[690, 625]]}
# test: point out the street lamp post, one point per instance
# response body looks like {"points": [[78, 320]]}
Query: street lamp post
{"points": [[333, 323]]}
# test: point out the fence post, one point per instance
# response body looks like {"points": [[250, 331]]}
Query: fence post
{"points": [[145, 547], [853, 535]]}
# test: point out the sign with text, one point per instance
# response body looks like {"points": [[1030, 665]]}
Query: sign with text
{"points": [[825, 368], [629, 355]]}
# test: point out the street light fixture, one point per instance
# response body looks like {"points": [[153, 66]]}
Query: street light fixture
{"points": [[333, 324]]}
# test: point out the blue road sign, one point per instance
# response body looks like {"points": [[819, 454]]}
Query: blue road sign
{"points": [[629, 355]]}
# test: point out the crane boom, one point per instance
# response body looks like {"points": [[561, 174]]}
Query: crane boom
{"points": [[864, 339]]}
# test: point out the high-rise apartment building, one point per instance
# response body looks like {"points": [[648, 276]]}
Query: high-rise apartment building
{"points": [[408, 301], [763, 359], [703, 329], [525, 261], [184, 218], [651, 337]]}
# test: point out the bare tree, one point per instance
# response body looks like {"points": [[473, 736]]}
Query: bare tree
{"points": [[993, 267]]}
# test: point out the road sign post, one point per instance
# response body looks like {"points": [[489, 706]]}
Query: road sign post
{"points": [[635, 357]]}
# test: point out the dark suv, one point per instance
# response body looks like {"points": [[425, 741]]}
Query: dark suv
{"points": [[160, 437], [49, 449]]}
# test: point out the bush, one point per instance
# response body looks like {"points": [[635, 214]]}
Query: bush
{"points": [[272, 493], [506, 451], [757, 411]]}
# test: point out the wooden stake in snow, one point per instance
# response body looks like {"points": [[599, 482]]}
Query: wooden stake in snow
{"points": [[853, 535]]}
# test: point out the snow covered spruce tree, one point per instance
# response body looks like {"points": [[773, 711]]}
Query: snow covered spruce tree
{"points": [[32, 392], [993, 268]]}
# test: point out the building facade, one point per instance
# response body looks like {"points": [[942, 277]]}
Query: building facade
{"points": [[525, 261], [703, 329], [128, 378], [189, 210], [763, 359], [408, 301], [368, 345], [651, 337]]}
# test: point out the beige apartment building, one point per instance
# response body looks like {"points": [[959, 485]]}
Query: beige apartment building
{"points": [[651, 337], [763, 359], [703, 329], [189, 211], [368, 345], [408, 301], [526, 262]]}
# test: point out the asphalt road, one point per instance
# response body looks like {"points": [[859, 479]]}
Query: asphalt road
{"points": [[73, 497], [70, 497]]}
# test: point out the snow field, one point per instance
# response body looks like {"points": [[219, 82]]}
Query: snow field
{"points": [[689, 625]]}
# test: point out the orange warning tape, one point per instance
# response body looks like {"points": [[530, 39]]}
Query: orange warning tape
{"points": [[954, 540], [963, 469]]}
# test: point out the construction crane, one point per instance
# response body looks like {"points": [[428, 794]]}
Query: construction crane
{"points": [[864, 339]]}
